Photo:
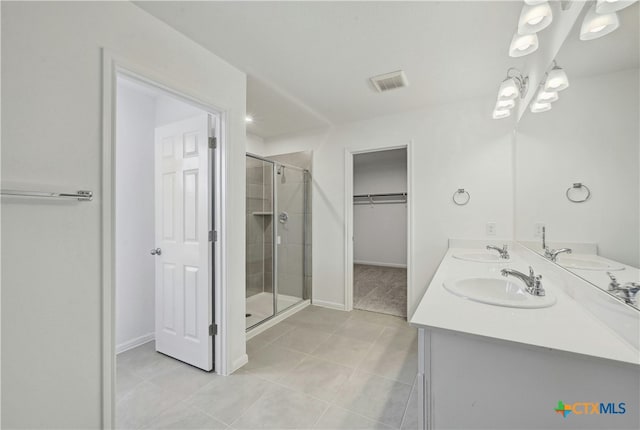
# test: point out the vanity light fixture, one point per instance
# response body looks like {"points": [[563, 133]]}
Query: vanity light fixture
{"points": [[556, 79], [514, 86], [608, 6], [523, 44], [509, 89], [537, 107], [534, 18], [597, 25], [534, 2]]}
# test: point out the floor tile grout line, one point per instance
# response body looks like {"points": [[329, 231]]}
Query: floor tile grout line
{"points": [[406, 407], [265, 392], [328, 402], [315, 424]]}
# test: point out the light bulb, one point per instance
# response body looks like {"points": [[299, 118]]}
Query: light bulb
{"points": [[608, 6], [501, 113], [537, 107], [597, 25], [556, 80], [505, 104], [508, 90], [523, 44], [248, 119], [534, 18], [546, 96]]}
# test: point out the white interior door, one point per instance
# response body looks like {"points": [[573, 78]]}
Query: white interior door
{"points": [[183, 255]]}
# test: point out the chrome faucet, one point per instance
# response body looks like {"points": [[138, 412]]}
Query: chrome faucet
{"points": [[628, 292], [504, 254], [552, 254], [533, 282]]}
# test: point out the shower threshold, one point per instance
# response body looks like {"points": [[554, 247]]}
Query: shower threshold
{"points": [[260, 306]]}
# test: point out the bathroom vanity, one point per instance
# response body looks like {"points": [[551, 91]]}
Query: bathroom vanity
{"points": [[504, 358]]}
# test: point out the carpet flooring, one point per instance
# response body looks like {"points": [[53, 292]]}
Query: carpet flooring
{"points": [[380, 289]]}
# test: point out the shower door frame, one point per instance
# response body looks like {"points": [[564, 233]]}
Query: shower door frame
{"points": [[274, 220]]}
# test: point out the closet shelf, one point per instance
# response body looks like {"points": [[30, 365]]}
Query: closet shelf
{"points": [[261, 213]]}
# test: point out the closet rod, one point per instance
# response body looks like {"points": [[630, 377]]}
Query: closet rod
{"points": [[380, 195]]}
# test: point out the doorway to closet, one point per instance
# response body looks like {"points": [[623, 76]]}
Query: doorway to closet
{"points": [[380, 200]]}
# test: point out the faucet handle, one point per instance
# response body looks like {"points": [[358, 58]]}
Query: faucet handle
{"points": [[614, 281], [531, 273]]}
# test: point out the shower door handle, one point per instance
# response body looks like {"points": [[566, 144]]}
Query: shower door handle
{"points": [[156, 251]]}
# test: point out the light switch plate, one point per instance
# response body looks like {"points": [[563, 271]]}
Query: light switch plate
{"points": [[491, 228], [537, 229]]}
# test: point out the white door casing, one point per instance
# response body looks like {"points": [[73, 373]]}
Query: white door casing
{"points": [[183, 297]]}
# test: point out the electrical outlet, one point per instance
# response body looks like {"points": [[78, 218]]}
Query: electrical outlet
{"points": [[491, 228], [537, 229]]}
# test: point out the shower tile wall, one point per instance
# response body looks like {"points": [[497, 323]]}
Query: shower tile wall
{"points": [[258, 227]]}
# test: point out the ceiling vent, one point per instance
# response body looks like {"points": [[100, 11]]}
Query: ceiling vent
{"points": [[389, 81]]}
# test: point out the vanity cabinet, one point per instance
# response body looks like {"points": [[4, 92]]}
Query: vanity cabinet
{"points": [[471, 382]]}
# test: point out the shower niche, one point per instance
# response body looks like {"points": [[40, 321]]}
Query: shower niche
{"points": [[278, 235]]}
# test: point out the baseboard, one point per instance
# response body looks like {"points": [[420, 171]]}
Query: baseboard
{"points": [[375, 263], [330, 305], [130, 344], [239, 362]]}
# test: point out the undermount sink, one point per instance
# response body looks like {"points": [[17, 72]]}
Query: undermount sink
{"points": [[587, 263], [498, 291], [481, 257]]}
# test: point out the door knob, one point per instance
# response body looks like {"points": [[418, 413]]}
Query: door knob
{"points": [[156, 251]]}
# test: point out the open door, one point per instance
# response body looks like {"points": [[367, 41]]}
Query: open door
{"points": [[183, 242]]}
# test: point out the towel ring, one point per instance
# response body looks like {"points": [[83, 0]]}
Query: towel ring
{"points": [[459, 202], [578, 185]]}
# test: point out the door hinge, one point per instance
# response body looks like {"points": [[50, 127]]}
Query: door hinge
{"points": [[213, 236], [213, 329], [213, 142]]}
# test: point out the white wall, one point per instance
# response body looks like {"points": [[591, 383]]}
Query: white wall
{"points": [[452, 146], [52, 138], [169, 110], [255, 144], [135, 236], [380, 231], [591, 136]]}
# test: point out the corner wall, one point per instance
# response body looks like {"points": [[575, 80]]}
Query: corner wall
{"points": [[52, 139]]}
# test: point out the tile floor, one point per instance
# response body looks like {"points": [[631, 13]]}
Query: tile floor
{"points": [[380, 289], [320, 368]]}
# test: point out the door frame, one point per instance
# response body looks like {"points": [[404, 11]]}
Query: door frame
{"points": [[348, 216], [112, 67]]}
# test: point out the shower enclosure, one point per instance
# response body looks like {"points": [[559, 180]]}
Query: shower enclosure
{"points": [[278, 250]]}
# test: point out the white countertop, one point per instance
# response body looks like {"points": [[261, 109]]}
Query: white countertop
{"points": [[565, 326]]}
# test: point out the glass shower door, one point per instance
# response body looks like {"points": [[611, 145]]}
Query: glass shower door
{"points": [[260, 303], [291, 235]]}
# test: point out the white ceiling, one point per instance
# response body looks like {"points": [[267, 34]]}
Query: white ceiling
{"points": [[309, 62]]}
